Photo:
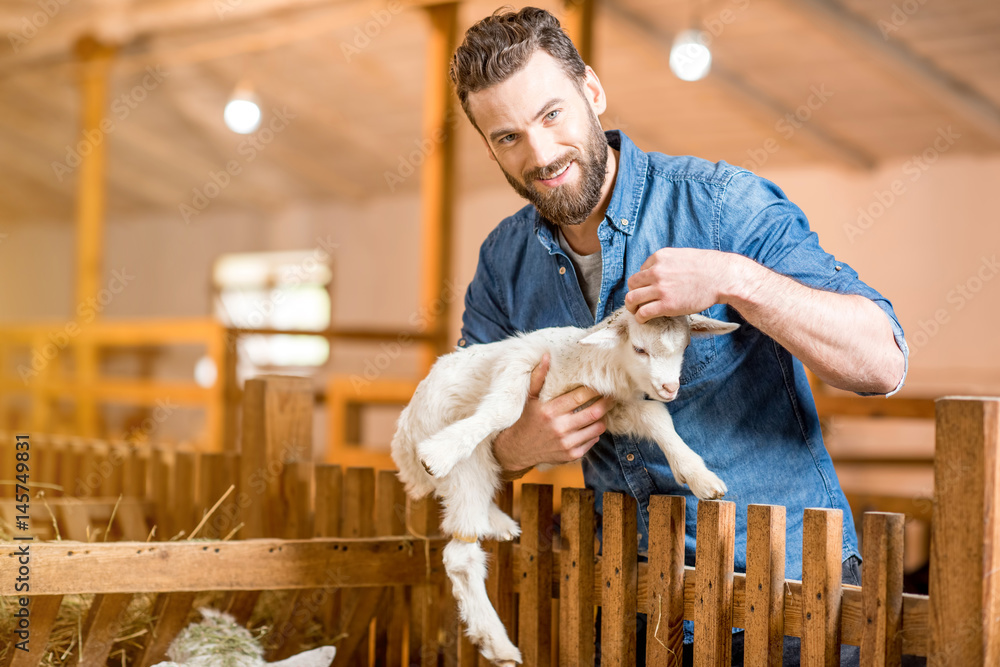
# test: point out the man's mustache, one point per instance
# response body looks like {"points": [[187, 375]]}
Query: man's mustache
{"points": [[547, 172]]}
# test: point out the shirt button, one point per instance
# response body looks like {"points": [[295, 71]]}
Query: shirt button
{"points": [[630, 457], [624, 222], [562, 270], [461, 342]]}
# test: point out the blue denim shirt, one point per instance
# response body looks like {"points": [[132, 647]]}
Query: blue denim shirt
{"points": [[744, 404]]}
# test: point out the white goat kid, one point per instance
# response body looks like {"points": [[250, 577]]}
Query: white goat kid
{"points": [[443, 437]]}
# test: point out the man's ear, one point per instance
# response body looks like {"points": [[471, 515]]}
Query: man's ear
{"points": [[593, 92], [706, 326]]}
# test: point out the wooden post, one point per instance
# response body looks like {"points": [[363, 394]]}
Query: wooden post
{"points": [[765, 586], [882, 590], [713, 605], [95, 67], [578, 23], [277, 427], [576, 583], [620, 580], [965, 534], [665, 618], [822, 571], [437, 179], [359, 606], [535, 608], [423, 520], [390, 519]]}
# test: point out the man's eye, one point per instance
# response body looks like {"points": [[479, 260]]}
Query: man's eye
{"points": [[638, 350], [503, 140], [552, 114]]}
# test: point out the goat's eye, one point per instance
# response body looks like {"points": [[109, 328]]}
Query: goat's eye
{"points": [[638, 350]]}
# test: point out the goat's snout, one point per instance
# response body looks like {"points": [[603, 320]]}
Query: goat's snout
{"points": [[668, 390]]}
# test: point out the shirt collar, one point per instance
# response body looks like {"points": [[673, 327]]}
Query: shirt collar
{"points": [[630, 183]]}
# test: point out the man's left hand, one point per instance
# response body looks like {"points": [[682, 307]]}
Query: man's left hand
{"points": [[677, 281]]}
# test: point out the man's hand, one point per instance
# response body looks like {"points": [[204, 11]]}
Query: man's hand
{"points": [[551, 432], [845, 339], [677, 281]]}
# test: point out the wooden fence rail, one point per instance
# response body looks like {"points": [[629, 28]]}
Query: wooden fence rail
{"points": [[366, 564]]}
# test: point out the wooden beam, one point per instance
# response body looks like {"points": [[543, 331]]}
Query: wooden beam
{"points": [[179, 17], [758, 105], [437, 184], [902, 64], [71, 568], [243, 565], [91, 190]]}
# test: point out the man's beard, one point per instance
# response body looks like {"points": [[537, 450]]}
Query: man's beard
{"points": [[568, 204]]}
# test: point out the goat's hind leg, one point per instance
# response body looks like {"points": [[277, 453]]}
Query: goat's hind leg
{"points": [[497, 410], [465, 564]]}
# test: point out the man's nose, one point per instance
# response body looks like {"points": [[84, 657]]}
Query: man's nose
{"points": [[543, 152], [671, 387]]}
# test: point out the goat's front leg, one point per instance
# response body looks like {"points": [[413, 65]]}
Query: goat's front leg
{"points": [[498, 410], [651, 420]]}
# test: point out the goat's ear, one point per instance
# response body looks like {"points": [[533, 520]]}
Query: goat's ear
{"points": [[607, 337], [706, 326]]}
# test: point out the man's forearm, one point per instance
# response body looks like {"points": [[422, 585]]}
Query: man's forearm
{"points": [[845, 339]]}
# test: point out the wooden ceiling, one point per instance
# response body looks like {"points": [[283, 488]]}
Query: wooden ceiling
{"points": [[893, 73]]}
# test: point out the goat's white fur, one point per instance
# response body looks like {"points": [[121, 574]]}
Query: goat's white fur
{"points": [[443, 440]]}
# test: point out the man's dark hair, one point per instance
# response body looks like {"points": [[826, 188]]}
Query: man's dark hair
{"points": [[500, 45]]}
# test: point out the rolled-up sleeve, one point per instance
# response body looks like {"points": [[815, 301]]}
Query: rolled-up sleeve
{"points": [[758, 221]]}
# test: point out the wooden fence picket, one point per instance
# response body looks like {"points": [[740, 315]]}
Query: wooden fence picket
{"points": [[713, 607], [665, 615], [764, 602], [822, 570], [882, 589], [620, 573], [576, 588], [535, 606], [390, 519]]}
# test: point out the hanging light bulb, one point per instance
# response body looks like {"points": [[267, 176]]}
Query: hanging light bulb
{"points": [[242, 114], [690, 58]]}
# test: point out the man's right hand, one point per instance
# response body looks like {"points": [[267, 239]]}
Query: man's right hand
{"points": [[551, 432]]}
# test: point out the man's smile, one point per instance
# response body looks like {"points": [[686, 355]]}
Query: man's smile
{"points": [[559, 177]]}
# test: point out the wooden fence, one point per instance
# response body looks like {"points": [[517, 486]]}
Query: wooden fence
{"points": [[365, 564]]}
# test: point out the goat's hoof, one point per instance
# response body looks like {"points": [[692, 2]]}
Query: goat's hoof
{"points": [[502, 656], [502, 527], [707, 486], [436, 464]]}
